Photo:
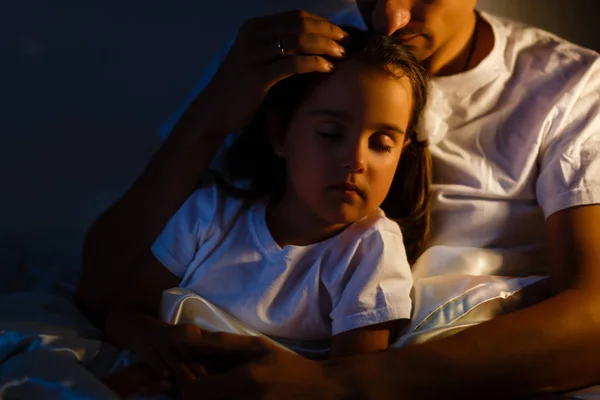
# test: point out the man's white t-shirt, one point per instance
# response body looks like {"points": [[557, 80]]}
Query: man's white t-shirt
{"points": [[221, 248], [523, 142]]}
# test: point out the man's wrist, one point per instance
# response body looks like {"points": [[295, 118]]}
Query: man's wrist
{"points": [[200, 123]]}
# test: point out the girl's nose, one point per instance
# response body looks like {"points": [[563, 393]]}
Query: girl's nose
{"points": [[355, 158]]}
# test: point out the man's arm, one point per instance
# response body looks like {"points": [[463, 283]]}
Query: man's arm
{"points": [[552, 346], [122, 233]]}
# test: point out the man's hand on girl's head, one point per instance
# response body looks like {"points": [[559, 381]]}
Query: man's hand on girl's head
{"points": [[267, 50]]}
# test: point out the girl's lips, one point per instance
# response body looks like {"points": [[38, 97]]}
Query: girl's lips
{"points": [[349, 189]]}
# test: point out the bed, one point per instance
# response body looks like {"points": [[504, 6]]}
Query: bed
{"points": [[48, 350]]}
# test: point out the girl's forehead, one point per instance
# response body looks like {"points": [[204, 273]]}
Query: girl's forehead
{"points": [[356, 83], [361, 94]]}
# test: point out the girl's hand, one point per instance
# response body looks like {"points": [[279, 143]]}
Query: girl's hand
{"points": [[267, 50], [169, 357]]}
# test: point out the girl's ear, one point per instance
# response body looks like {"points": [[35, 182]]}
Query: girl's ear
{"points": [[276, 131]]}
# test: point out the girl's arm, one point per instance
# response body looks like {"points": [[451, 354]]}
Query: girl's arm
{"points": [[375, 290], [364, 340]]}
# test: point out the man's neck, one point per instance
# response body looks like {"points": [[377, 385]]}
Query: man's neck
{"points": [[464, 51]]}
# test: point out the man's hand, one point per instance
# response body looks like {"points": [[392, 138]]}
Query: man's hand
{"points": [[259, 370], [136, 379], [267, 50], [168, 354]]}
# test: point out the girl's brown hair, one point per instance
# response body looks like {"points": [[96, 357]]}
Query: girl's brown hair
{"points": [[252, 158]]}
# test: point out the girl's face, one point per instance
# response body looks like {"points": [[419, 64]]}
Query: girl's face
{"points": [[344, 142]]}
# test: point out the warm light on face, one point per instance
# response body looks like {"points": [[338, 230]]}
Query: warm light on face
{"points": [[349, 130]]}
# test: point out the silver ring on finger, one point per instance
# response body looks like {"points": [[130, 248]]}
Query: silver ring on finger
{"points": [[280, 47]]}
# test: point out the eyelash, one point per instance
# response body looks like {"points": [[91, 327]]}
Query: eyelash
{"points": [[377, 146], [329, 135], [382, 147]]}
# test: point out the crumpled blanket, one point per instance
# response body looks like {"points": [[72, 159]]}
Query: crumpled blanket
{"points": [[48, 350]]}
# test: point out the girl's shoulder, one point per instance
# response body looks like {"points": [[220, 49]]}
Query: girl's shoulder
{"points": [[214, 204], [375, 223], [374, 233]]}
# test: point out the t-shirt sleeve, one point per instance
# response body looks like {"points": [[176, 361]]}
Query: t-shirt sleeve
{"points": [[187, 229], [570, 158], [375, 287]]}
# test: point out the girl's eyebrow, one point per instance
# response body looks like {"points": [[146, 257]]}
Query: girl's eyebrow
{"points": [[332, 113], [389, 128], [341, 115]]}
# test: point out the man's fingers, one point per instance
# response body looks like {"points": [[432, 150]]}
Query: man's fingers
{"points": [[295, 26], [155, 362], [197, 369], [213, 387], [129, 380], [293, 23], [221, 344], [292, 65], [155, 388], [310, 44], [178, 368], [304, 44]]}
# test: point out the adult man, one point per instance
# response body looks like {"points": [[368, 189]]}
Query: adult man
{"points": [[518, 171]]}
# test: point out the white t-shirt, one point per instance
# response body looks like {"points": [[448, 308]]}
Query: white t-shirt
{"points": [[222, 249], [523, 143]]}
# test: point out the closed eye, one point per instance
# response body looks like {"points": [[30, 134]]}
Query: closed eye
{"points": [[330, 135], [381, 142], [381, 147]]}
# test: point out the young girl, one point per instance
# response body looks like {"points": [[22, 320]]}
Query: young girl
{"points": [[318, 245]]}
